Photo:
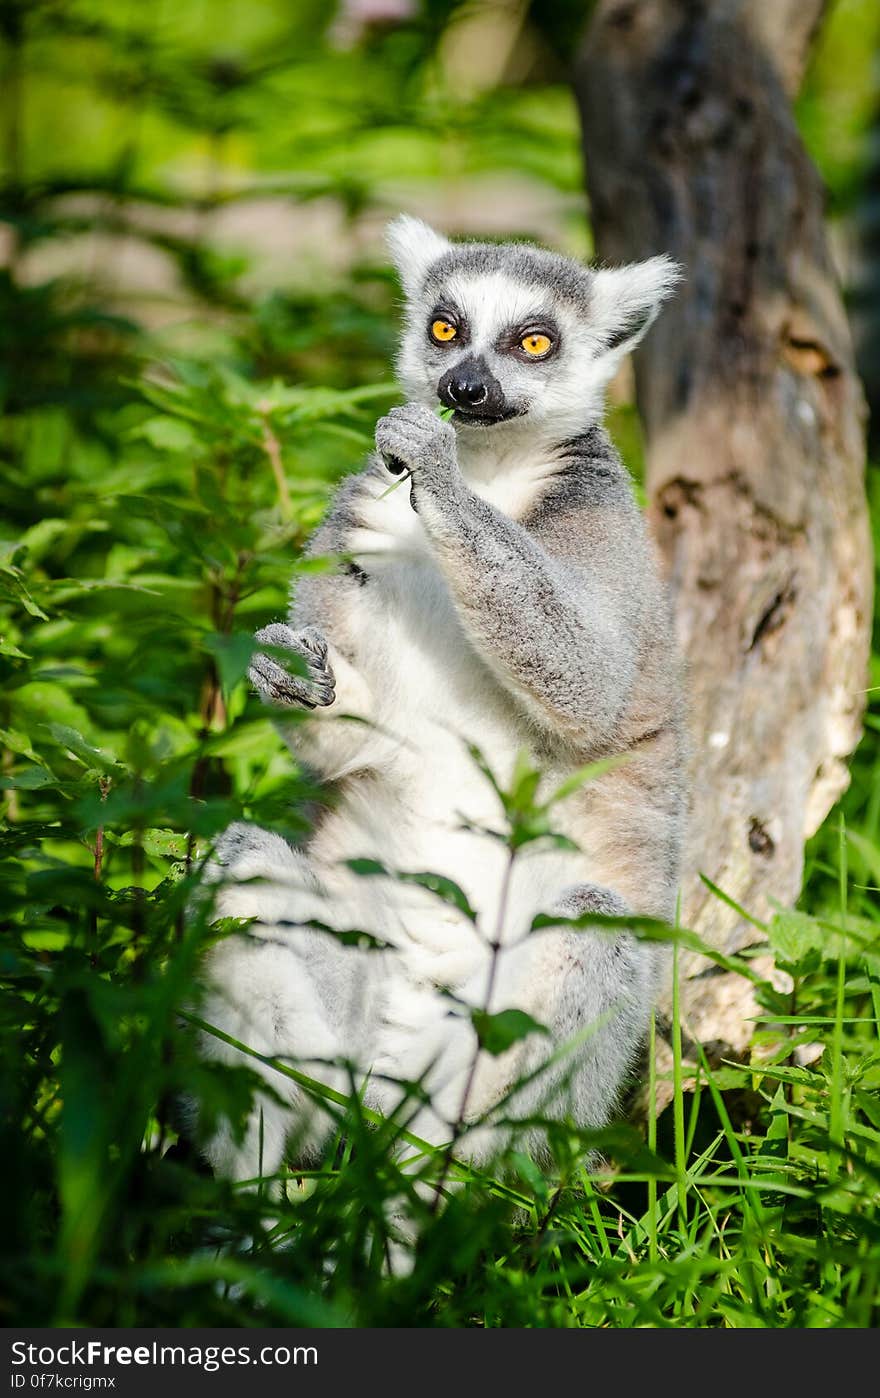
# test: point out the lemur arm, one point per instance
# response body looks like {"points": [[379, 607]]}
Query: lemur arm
{"points": [[549, 634], [548, 629], [331, 688]]}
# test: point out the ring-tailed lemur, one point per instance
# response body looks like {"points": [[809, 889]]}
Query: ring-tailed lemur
{"points": [[504, 596]]}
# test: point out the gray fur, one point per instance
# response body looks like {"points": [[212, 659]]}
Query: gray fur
{"points": [[535, 267], [504, 594]]}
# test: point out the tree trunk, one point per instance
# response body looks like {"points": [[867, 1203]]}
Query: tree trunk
{"points": [[754, 422]]}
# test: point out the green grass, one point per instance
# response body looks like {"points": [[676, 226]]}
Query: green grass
{"points": [[154, 506]]}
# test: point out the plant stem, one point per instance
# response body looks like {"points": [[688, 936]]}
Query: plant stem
{"points": [[272, 448], [104, 784]]}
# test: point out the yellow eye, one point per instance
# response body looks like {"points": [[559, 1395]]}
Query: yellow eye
{"points": [[443, 331], [536, 345]]}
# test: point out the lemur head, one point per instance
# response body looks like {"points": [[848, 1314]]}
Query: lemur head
{"points": [[510, 333]]}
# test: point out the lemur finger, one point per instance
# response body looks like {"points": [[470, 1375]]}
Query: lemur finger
{"points": [[398, 446], [403, 420], [274, 684], [416, 414], [422, 425], [305, 643], [387, 433], [278, 633], [322, 681], [314, 641]]}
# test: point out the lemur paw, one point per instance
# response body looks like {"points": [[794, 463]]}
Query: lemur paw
{"points": [[414, 439], [275, 685]]}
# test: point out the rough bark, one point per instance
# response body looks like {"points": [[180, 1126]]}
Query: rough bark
{"points": [[754, 423]]}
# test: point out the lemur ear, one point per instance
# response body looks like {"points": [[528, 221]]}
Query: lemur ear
{"points": [[413, 247], [626, 301]]}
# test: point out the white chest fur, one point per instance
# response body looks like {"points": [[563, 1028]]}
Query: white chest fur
{"points": [[390, 530], [434, 694]]}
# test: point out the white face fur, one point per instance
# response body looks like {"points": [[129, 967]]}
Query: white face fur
{"points": [[477, 313]]}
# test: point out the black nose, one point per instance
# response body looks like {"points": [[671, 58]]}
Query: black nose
{"points": [[471, 387], [467, 392]]}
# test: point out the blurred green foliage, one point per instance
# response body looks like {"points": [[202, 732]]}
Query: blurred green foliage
{"points": [[839, 99], [164, 456]]}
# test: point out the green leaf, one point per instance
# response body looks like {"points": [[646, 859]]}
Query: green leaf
{"points": [[477, 757], [170, 844], [233, 656], [351, 936], [91, 757], [869, 851], [368, 868], [444, 888], [168, 434], [583, 775], [869, 1103], [531, 1174], [524, 784], [31, 779], [802, 1076], [12, 586], [496, 1033], [793, 936]]}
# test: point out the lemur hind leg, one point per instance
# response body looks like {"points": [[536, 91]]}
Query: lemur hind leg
{"points": [[602, 984], [605, 983], [283, 989], [591, 988]]}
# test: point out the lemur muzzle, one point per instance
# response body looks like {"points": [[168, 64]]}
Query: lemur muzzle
{"points": [[472, 389]]}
